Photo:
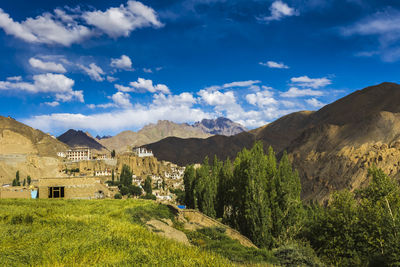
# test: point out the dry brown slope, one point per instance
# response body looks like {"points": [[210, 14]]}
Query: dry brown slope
{"points": [[27, 150], [151, 133]]}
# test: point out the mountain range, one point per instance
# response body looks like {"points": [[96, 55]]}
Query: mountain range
{"points": [[331, 148]]}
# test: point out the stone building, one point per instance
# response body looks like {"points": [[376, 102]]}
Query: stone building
{"points": [[142, 152]]}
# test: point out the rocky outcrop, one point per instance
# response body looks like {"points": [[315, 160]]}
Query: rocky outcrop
{"points": [[220, 126]]}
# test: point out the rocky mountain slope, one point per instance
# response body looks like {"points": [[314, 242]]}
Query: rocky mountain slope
{"points": [[220, 126], [332, 148], [151, 133], [27, 150], [75, 138]]}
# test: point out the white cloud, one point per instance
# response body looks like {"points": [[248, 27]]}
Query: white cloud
{"points": [[261, 99], [52, 104], [385, 26], [305, 81], [111, 79], [135, 117], [295, 92], [183, 99], [14, 79], [65, 29], [122, 20], [121, 100], [47, 66], [44, 29], [94, 72], [57, 84], [248, 83], [143, 85], [274, 65], [279, 10], [124, 62], [314, 102], [147, 70], [218, 98]]}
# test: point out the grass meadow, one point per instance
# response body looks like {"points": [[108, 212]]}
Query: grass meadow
{"points": [[89, 233]]}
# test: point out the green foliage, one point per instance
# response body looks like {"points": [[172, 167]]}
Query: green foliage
{"points": [[215, 239], [147, 187], [180, 195], [188, 181], [118, 196], [24, 182], [297, 255], [149, 196], [113, 153], [359, 229], [126, 176], [29, 180], [89, 233], [16, 181], [255, 196], [130, 190], [112, 176]]}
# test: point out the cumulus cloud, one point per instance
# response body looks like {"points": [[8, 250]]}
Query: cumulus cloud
{"points": [[57, 84], [121, 100], [94, 72], [274, 65], [45, 29], [122, 20], [143, 85], [314, 102], [124, 62], [111, 79], [296, 92], [261, 99], [305, 81], [218, 98], [64, 29], [279, 10], [47, 66]]}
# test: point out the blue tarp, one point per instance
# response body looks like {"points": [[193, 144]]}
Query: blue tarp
{"points": [[34, 193], [182, 207]]}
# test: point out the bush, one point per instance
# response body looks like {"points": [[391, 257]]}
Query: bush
{"points": [[147, 212], [215, 239], [149, 196], [297, 255], [118, 196]]}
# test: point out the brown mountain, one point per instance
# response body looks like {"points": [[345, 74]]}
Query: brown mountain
{"points": [[75, 138], [332, 148], [220, 126], [151, 133], [27, 150]]}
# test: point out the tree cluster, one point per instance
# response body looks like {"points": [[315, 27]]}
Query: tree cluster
{"points": [[255, 195]]}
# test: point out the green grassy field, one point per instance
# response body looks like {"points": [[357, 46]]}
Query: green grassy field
{"points": [[87, 233]]}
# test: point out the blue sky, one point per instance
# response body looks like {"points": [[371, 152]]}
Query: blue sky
{"points": [[108, 66]]}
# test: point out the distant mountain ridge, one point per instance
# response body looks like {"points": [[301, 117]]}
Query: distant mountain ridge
{"points": [[151, 133], [220, 126], [78, 138]]}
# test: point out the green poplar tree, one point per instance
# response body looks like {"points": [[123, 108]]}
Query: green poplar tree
{"points": [[188, 181]]}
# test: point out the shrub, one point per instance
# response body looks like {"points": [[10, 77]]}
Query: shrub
{"points": [[149, 196], [297, 255], [118, 196]]}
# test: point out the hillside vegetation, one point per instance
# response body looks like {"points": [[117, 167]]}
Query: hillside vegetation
{"points": [[83, 232]]}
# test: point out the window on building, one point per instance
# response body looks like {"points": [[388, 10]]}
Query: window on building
{"points": [[56, 192]]}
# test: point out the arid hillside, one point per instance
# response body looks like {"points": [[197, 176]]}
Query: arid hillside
{"points": [[151, 133], [30, 151]]}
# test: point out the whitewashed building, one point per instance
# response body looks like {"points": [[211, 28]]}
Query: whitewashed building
{"points": [[142, 152], [79, 153]]}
